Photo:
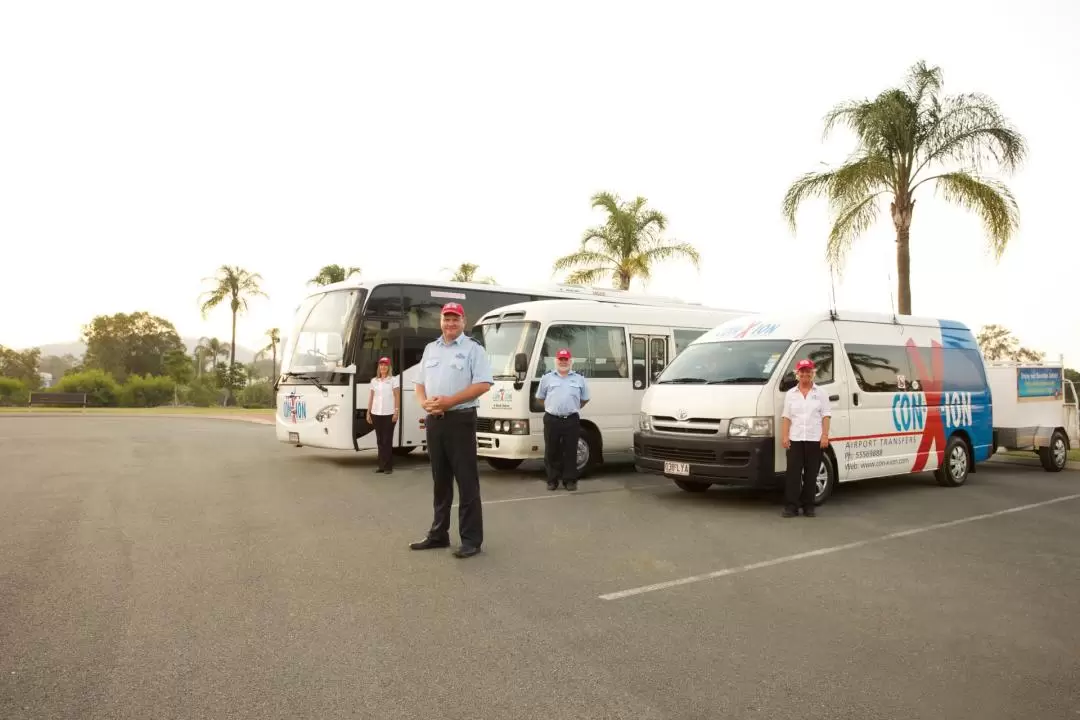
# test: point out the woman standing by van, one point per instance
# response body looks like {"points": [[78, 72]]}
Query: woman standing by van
{"points": [[384, 400]]}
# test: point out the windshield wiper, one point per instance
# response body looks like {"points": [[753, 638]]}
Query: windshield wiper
{"points": [[682, 381], [738, 380], [301, 376]]}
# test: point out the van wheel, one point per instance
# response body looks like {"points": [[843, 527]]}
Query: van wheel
{"points": [[691, 486], [1055, 456], [826, 479], [588, 452], [954, 473], [503, 463]]}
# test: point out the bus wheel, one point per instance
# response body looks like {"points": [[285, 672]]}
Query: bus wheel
{"points": [[503, 463], [1055, 457], [588, 452], [404, 450], [954, 472], [826, 479], [692, 486]]}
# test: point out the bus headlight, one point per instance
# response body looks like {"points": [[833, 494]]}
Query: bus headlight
{"points": [[519, 427], [326, 413], [644, 422], [750, 427]]}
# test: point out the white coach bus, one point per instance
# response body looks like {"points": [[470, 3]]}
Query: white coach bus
{"points": [[341, 330], [619, 348]]}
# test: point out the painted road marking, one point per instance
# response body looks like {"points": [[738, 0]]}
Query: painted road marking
{"points": [[825, 551]]}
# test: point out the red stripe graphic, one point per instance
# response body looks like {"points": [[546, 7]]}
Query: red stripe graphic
{"points": [[876, 436]]}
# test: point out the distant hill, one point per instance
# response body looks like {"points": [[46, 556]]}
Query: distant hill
{"points": [[243, 354]]}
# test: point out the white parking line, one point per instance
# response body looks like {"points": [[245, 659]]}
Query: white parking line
{"points": [[824, 551]]}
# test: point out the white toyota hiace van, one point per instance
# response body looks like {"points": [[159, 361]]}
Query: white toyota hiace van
{"points": [[908, 394]]}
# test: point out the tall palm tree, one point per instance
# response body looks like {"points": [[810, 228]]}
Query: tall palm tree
{"points": [[333, 274], [275, 337], [466, 272], [210, 348], [237, 285], [625, 247], [906, 137]]}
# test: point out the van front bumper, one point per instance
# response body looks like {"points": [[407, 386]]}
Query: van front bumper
{"points": [[720, 460]]}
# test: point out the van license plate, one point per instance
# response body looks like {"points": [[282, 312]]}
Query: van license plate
{"points": [[674, 468]]}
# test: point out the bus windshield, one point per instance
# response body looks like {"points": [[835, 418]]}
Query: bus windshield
{"points": [[502, 341], [741, 362], [319, 340]]}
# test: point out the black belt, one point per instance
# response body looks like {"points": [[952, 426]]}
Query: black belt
{"points": [[563, 417], [459, 410]]}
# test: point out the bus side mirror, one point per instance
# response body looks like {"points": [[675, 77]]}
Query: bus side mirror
{"points": [[521, 367], [788, 382]]}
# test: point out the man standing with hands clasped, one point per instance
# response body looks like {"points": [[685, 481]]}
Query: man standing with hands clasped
{"points": [[805, 436], [454, 372], [564, 393]]}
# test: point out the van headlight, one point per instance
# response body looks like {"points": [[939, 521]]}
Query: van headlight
{"points": [[750, 427], [644, 422]]}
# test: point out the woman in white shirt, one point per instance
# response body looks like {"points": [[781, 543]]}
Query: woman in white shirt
{"points": [[384, 399]]}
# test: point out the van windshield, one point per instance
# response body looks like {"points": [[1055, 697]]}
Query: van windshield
{"points": [[738, 362], [502, 341]]}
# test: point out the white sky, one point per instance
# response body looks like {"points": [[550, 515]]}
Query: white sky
{"points": [[285, 136]]}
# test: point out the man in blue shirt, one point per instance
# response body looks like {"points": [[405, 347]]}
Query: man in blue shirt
{"points": [[564, 393], [454, 372]]}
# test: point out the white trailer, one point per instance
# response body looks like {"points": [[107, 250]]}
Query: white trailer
{"points": [[1035, 408]]}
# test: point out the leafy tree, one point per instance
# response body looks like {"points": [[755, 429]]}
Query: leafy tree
{"points": [[998, 343], [13, 392], [21, 365], [236, 285], [274, 334], [466, 272], [907, 137], [101, 388], [329, 274], [124, 344], [57, 365], [625, 247]]}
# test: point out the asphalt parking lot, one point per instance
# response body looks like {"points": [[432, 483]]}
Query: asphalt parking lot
{"points": [[192, 568]]}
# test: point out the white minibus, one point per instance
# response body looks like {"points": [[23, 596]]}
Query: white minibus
{"points": [[619, 348]]}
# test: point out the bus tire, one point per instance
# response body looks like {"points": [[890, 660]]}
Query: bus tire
{"points": [[588, 451], [957, 463], [403, 450], [503, 463], [692, 486], [826, 478], [1055, 456]]}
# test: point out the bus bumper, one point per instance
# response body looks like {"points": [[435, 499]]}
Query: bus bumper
{"points": [[510, 447], [724, 461]]}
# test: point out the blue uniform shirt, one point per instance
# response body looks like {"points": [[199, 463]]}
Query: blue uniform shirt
{"points": [[562, 395], [447, 369]]}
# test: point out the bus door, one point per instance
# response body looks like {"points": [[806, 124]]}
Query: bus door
{"points": [[648, 358], [381, 337]]}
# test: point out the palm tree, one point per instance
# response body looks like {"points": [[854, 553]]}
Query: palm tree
{"points": [[210, 348], [466, 272], [625, 247], [275, 337], [333, 274], [904, 135], [237, 286]]}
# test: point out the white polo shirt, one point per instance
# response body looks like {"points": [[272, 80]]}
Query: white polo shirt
{"points": [[806, 413], [383, 401]]}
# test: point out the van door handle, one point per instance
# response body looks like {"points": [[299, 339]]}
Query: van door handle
{"points": [[855, 398], [834, 398]]}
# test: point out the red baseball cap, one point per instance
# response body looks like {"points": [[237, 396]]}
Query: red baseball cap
{"points": [[384, 361], [453, 308], [563, 354], [804, 365]]}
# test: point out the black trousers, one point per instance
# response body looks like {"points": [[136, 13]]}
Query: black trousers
{"points": [[560, 447], [384, 438], [803, 463], [451, 442]]}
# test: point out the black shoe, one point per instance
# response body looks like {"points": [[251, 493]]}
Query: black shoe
{"points": [[571, 486], [790, 512], [390, 471], [466, 551], [379, 471], [553, 486], [428, 544], [809, 511]]}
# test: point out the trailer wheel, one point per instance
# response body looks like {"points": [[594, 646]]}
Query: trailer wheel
{"points": [[954, 472], [1055, 456]]}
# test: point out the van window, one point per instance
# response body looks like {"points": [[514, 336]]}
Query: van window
{"points": [[735, 362], [684, 336], [880, 368], [963, 369], [822, 355], [599, 350]]}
